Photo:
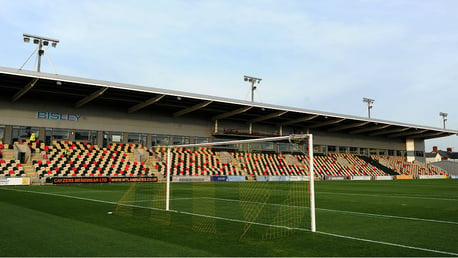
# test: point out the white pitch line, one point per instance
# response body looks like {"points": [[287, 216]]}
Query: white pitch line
{"points": [[391, 196], [340, 211], [82, 198], [388, 243], [324, 233], [242, 221]]}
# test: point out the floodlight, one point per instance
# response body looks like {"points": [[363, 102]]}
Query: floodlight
{"points": [[40, 41], [444, 117], [369, 105], [253, 80]]}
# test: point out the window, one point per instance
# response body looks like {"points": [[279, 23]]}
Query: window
{"points": [[390, 152], [319, 148], [363, 151], [159, 139], [2, 132], [283, 147], [178, 140], [86, 136], [112, 137], [419, 154], [332, 148], [57, 134], [262, 146], [342, 149], [354, 150], [138, 138], [21, 133], [200, 139]]}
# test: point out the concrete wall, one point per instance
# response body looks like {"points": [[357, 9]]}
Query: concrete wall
{"points": [[63, 115], [55, 115]]}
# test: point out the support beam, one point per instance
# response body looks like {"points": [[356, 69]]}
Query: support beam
{"points": [[232, 113], [369, 129], [343, 127], [91, 97], [144, 104], [299, 120], [24, 90], [193, 108], [395, 130], [269, 116], [407, 133], [330, 122], [431, 135]]}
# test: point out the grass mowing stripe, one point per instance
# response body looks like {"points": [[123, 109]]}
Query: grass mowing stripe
{"points": [[391, 196], [346, 212], [388, 243], [160, 200]]}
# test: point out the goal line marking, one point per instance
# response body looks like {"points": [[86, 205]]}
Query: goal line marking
{"points": [[240, 221], [391, 196]]}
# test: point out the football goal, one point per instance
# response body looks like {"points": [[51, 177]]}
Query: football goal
{"points": [[263, 182]]}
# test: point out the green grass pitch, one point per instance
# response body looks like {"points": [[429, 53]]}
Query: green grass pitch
{"points": [[354, 218]]}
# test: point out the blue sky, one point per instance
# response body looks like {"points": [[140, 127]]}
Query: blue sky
{"points": [[322, 55]]}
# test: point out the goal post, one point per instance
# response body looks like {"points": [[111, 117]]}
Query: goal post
{"points": [[294, 139]]}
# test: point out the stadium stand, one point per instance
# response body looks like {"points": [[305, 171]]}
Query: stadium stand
{"points": [[11, 168], [402, 166], [82, 159]]}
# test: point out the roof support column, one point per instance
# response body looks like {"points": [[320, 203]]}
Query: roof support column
{"points": [[281, 130], [250, 128], [215, 130], [410, 149]]}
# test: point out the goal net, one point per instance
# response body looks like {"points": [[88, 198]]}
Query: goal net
{"points": [[252, 189]]}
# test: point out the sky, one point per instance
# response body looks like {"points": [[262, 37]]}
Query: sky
{"points": [[322, 55]]}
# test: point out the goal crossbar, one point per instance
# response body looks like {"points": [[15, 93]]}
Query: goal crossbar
{"points": [[309, 137]]}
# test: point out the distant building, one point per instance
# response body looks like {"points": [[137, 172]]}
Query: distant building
{"points": [[439, 155], [446, 160]]}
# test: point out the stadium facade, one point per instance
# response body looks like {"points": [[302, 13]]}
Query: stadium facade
{"points": [[57, 107]]}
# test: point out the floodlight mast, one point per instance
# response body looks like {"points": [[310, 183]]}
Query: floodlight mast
{"points": [[444, 117], [40, 41], [253, 80], [369, 105]]}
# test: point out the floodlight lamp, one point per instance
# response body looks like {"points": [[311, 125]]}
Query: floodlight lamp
{"points": [[54, 44], [45, 43], [26, 40], [36, 41], [245, 79]]}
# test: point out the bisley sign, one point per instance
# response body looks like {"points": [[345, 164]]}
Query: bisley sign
{"points": [[58, 116]]}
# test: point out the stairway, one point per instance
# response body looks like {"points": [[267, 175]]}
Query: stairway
{"points": [[376, 164]]}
